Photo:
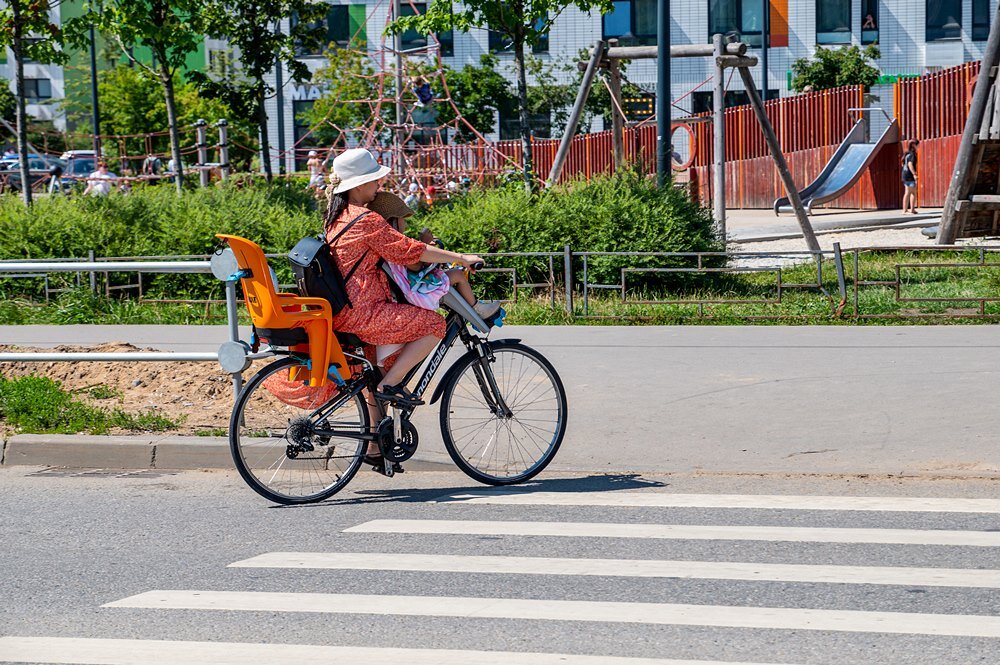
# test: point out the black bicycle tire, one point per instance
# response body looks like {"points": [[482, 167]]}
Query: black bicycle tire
{"points": [[461, 365], [248, 476]]}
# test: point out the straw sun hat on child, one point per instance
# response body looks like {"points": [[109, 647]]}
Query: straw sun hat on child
{"points": [[389, 206], [356, 167]]}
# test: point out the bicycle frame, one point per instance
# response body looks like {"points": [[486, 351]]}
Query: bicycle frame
{"points": [[455, 329]]}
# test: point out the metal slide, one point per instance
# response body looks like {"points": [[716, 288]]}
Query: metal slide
{"points": [[844, 169]]}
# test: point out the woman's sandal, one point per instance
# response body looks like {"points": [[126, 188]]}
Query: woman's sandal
{"points": [[399, 396]]}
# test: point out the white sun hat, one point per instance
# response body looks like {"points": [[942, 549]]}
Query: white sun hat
{"points": [[312, 153], [356, 167]]}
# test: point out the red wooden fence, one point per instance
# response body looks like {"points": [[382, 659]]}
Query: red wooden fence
{"points": [[809, 127]]}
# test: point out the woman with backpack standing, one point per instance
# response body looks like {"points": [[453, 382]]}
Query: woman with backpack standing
{"points": [[910, 177], [374, 316]]}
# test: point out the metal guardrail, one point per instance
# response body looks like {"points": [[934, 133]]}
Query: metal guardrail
{"points": [[706, 263], [233, 355]]}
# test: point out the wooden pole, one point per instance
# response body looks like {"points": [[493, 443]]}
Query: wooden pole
{"points": [[964, 175], [574, 117], [779, 160], [719, 140], [617, 121], [676, 51]]}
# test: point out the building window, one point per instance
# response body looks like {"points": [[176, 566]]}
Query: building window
{"points": [[833, 21], [28, 42], [981, 20], [631, 22], [944, 20], [36, 90], [300, 130], [743, 18], [510, 124], [345, 26], [869, 21], [413, 40], [501, 43], [701, 102], [221, 63]]}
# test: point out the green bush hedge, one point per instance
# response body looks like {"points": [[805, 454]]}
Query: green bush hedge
{"points": [[626, 212], [623, 213], [155, 221]]}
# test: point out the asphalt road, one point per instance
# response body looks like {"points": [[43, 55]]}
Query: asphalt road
{"points": [[725, 400], [93, 556]]}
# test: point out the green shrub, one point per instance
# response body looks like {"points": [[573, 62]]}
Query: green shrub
{"points": [[622, 213], [155, 221]]}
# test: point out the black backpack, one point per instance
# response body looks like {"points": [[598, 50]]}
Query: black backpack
{"points": [[316, 272]]}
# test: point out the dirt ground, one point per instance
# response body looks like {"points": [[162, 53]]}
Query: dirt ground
{"points": [[199, 395]]}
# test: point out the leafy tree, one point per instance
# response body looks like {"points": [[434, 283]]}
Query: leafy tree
{"points": [[478, 94], [133, 103], [833, 68], [521, 22], [169, 29], [8, 103], [18, 20], [252, 27], [347, 79]]}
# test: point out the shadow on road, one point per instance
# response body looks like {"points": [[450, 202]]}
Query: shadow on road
{"points": [[591, 483]]}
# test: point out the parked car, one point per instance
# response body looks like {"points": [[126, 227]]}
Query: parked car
{"points": [[38, 170], [79, 163]]}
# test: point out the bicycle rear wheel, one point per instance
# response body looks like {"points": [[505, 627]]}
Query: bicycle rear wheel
{"points": [[277, 449], [491, 447]]}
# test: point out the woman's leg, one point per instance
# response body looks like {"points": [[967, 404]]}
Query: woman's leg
{"points": [[412, 354], [906, 199]]}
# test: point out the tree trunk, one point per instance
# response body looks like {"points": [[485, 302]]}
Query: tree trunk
{"points": [[166, 77], [265, 144], [22, 116], [522, 113]]}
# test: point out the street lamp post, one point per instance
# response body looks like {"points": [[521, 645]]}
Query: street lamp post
{"points": [[663, 148]]}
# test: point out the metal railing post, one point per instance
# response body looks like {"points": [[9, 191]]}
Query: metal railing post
{"points": [[233, 318], [93, 275], [201, 129], [568, 267], [223, 147]]}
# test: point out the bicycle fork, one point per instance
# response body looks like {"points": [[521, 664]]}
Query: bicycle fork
{"points": [[488, 383]]}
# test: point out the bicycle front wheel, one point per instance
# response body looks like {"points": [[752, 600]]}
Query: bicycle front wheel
{"points": [[493, 447], [299, 448]]}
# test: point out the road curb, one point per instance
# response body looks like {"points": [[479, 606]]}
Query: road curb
{"points": [[165, 453]]}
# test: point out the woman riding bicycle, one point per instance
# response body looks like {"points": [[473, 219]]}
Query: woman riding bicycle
{"points": [[374, 316]]}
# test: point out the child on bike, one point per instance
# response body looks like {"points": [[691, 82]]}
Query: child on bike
{"points": [[427, 283]]}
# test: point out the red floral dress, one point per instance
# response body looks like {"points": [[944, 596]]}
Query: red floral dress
{"points": [[375, 316]]}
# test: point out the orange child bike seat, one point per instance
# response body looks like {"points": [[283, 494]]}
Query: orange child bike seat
{"points": [[280, 318]]}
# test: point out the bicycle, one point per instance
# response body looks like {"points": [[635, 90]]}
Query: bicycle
{"points": [[503, 416]]}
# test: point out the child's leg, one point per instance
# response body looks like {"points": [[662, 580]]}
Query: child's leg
{"points": [[460, 280]]}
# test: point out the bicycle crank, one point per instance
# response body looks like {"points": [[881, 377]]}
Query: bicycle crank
{"points": [[393, 449]]}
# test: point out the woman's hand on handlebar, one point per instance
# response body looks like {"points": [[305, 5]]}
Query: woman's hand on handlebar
{"points": [[472, 262]]}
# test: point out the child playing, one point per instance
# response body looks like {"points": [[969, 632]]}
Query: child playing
{"points": [[424, 278]]}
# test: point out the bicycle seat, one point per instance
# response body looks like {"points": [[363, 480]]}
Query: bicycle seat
{"points": [[287, 319]]}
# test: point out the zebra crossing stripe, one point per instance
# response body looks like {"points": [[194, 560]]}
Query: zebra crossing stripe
{"points": [[79, 651], [780, 618], [684, 532], [519, 565], [755, 501]]}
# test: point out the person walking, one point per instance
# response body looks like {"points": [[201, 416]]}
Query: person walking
{"points": [[910, 177]]}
